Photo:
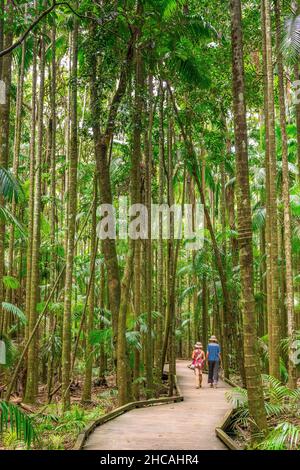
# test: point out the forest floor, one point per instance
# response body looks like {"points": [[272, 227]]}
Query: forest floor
{"points": [[188, 425], [58, 431]]}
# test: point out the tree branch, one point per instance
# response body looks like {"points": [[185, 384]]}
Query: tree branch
{"points": [[43, 15], [25, 34]]}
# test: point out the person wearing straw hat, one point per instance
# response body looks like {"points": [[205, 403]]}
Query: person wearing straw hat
{"points": [[213, 358], [198, 357]]}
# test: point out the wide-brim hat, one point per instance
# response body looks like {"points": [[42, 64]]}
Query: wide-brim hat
{"points": [[198, 345], [213, 338]]}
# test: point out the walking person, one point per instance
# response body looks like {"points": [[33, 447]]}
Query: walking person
{"points": [[198, 357], [213, 358]]}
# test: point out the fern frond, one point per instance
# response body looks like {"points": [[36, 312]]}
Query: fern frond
{"points": [[13, 418]]}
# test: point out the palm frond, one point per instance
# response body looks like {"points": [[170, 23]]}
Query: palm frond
{"points": [[15, 311], [7, 216], [133, 339], [10, 187], [237, 397], [100, 336], [11, 282], [291, 37], [169, 7], [187, 292], [285, 436], [258, 218]]}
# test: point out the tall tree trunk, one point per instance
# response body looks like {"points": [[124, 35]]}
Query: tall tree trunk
{"points": [[87, 389], [171, 265], [17, 143], [31, 383], [205, 326], [170, 258], [286, 204], [52, 321], [252, 368], [136, 198], [268, 290], [102, 355], [122, 363], [160, 261], [31, 179], [71, 223], [102, 145], [148, 187], [5, 65], [297, 108], [272, 244]]}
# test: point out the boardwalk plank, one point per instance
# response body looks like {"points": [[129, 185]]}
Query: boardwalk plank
{"points": [[188, 425]]}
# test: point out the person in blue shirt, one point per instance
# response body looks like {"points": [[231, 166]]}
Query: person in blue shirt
{"points": [[213, 358]]}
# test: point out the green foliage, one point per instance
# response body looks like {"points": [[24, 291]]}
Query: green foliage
{"points": [[100, 336], [9, 218], [10, 187], [58, 429], [15, 311], [55, 442], [291, 38], [280, 402], [19, 424], [75, 419], [285, 436], [188, 65], [11, 282]]}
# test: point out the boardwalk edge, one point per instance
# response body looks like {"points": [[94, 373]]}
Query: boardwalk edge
{"points": [[82, 437], [223, 426]]}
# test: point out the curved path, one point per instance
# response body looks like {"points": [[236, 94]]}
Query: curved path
{"points": [[187, 425]]}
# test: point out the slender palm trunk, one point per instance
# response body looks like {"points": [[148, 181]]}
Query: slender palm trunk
{"points": [[160, 261], [286, 204], [52, 320], [136, 198], [31, 383], [297, 108], [252, 368], [71, 224], [32, 155], [272, 242], [87, 389], [148, 190], [5, 64], [17, 143]]}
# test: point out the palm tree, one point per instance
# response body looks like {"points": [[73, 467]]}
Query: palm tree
{"points": [[286, 203], [5, 77], [252, 369], [272, 224], [32, 370], [71, 224]]}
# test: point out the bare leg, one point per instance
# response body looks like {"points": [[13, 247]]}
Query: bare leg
{"points": [[197, 376], [200, 378]]}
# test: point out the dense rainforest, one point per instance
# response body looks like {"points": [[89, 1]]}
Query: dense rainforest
{"points": [[162, 102]]}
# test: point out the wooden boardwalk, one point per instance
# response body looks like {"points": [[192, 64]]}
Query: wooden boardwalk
{"points": [[188, 425]]}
